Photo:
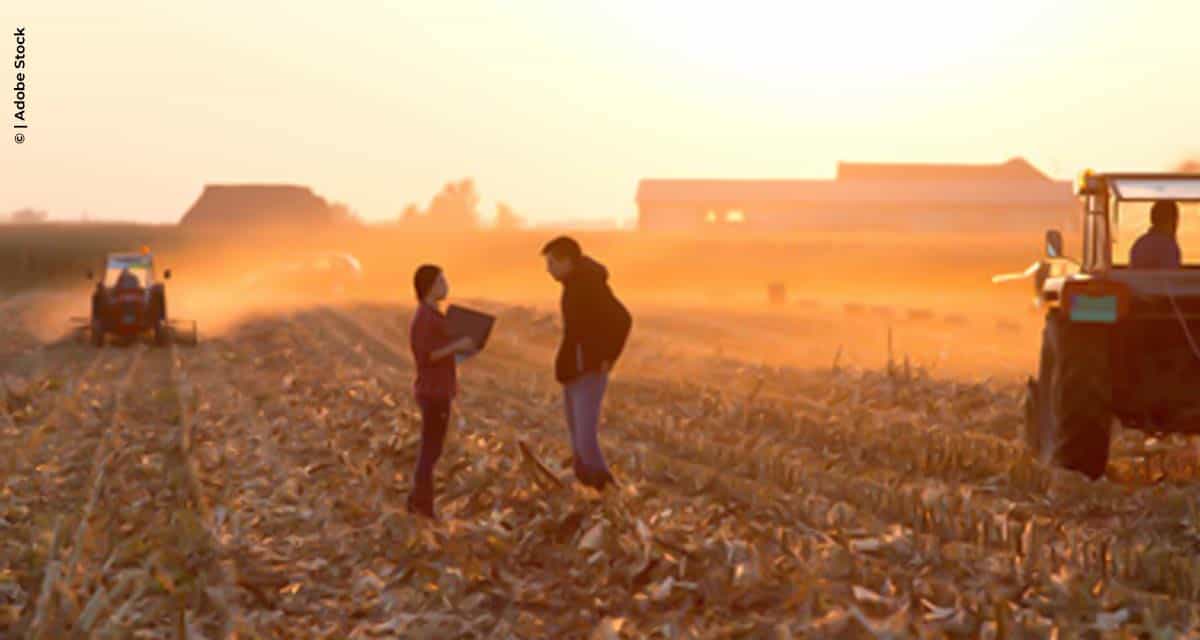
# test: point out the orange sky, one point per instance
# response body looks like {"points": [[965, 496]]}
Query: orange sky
{"points": [[560, 107]]}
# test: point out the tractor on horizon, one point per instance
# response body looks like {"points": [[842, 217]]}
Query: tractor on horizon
{"points": [[1122, 336]]}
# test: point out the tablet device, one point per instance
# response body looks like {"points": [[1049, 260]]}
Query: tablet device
{"points": [[468, 322]]}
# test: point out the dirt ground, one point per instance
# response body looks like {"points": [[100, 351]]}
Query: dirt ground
{"points": [[776, 480]]}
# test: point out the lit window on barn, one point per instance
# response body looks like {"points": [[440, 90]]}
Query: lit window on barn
{"points": [[735, 216]]}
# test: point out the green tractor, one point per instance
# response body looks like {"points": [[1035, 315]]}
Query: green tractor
{"points": [[1122, 334]]}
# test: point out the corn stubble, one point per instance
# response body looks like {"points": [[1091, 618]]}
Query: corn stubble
{"points": [[253, 487]]}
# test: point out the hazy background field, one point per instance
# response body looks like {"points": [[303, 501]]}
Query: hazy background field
{"points": [[845, 291]]}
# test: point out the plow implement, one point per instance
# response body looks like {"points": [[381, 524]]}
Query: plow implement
{"points": [[177, 330]]}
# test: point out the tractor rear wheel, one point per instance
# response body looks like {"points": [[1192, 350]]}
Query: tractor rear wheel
{"points": [[1071, 417], [158, 315], [162, 334], [97, 333]]}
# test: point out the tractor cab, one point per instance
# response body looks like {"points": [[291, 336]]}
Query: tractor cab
{"points": [[125, 270], [1117, 212], [1132, 212], [128, 271]]}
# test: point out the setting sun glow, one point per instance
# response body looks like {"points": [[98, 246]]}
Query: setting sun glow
{"points": [[781, 42], [559, 109]]}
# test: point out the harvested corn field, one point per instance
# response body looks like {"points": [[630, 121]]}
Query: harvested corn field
{"points": [[253, 486]]}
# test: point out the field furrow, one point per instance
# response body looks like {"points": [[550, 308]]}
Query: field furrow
{"points": [[59, 441]]}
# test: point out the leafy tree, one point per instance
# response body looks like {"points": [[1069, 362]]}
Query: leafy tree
{"points": [[455, 208], [506, 218], [411, 214], [341, 213], [28, 216]]}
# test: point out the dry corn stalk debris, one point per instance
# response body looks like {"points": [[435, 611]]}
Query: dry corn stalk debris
{"points": [[253, 487]]}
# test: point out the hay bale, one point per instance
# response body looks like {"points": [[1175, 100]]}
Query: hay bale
{"points": [[776, 293], [956, 320], [920, 315], [1007, 326]]}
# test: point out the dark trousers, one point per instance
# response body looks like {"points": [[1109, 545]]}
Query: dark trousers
{"points": [[435, 417]]}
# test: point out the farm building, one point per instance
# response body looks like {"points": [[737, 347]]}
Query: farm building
{"points": [[241, 205], [906, 197]]}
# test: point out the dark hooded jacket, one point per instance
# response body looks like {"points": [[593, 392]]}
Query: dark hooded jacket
{"points": [[595, 323]]}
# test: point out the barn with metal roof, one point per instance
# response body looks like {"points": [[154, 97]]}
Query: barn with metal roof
{"points": [[937, 197]]}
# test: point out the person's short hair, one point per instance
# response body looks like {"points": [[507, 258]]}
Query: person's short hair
{"points": [[1164, 212], [423, 279], [563, 247]]}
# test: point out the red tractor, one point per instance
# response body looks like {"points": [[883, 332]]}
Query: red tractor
{"points": [[128, 302]]}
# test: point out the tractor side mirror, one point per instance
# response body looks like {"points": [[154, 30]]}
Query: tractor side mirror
{"points": [[91, 275], [167, 274], [1054, 244]]}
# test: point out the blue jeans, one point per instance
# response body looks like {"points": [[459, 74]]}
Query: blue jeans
{"points": [[583, 398]]}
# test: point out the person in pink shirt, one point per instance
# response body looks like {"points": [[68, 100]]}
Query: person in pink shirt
{"points": [[433, 350]]}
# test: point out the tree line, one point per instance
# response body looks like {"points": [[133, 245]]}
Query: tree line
{"points": [[456, 208], [26, 216]]}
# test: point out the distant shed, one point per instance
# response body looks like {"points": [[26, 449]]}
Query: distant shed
{"points": [[913, 197]]}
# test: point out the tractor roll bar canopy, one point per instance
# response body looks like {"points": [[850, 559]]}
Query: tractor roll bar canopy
{"points": [[1142, 187], [1184, 189]]}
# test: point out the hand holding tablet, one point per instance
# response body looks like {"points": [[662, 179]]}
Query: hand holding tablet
{"points": [[473, 324]]}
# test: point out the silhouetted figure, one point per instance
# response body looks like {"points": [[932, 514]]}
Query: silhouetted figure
{"points": [[433, 351], [1157, 248], [595, 328], [126, 280]]}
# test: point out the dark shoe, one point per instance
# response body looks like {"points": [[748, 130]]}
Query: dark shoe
{"points": [[597, 480], [604, 480], [420, 507]]}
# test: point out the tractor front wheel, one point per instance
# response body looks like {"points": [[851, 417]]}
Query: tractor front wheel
{"points": [[1070, 420]]}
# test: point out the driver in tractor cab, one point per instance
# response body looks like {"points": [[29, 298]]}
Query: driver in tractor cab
{"points": [[1157, 248], [127, 280]]}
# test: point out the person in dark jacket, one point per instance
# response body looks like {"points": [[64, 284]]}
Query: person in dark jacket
{"points": [[595, 328], [1157, 248], [436, 385]]}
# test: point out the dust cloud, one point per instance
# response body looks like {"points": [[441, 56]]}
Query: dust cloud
{"points": [[705, 295], [850, 298]]}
